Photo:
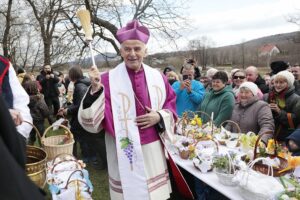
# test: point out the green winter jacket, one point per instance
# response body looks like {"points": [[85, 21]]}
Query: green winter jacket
{"points": [[220, 102]]}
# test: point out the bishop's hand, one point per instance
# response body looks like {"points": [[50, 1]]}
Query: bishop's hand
{"points": [[147, 120]]}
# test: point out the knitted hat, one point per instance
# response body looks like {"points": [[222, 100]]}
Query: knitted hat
{"points": [[288, 76], [133, 31], [251, 86]]}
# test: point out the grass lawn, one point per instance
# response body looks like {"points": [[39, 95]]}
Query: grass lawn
{"points": [[99, 178]]}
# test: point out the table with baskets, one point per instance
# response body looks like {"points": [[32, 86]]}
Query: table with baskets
{"points": [[191, 136], [209, 178]]}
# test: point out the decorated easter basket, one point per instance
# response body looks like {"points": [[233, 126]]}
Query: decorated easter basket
{"points": [[263, 168], [227, 178], [228, 140], [58, 144]]}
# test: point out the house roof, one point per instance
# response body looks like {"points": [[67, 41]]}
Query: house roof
{"points": [[268, 49]]}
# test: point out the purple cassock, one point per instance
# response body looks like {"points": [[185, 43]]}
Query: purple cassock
{"points": [[138, 81]]}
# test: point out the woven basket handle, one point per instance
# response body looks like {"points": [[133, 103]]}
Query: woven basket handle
{"points": [[230, 163], [234, 123], [184, 120], [68, 181], [270, 167], [61, 126], [258, 140], [62, 155], [215, 142], [36, 131], [62, 161]]}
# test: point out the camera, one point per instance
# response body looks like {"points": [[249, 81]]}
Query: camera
{"points": [[184, 77]]}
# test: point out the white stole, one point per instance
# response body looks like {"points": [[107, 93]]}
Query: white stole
{"points": [[130, 155]]}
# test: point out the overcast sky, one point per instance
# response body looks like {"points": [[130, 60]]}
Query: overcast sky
{"points": [[228, 22]]}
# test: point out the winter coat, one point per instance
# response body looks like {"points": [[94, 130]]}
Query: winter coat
{"points": [[80, 88], [49, 86], [15, 184], [38, 108], [292, 108], [221, 103], [295, 136], [255, 116], [297, 87], [261, 84]]}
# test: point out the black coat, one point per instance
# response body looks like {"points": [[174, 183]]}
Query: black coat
{"points": [[292, 106], [297, 87], [261, 84], [49, 86], [80, 88], [14, 182]]}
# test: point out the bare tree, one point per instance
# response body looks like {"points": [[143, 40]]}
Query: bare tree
{"points": [[163, 17], [200, 48], [7, 29], [47, 15]]}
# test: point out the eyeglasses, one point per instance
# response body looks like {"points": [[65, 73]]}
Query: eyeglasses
{"points": [[240, 77]]}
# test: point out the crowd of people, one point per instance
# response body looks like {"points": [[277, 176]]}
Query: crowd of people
{"points": [[258, 104], [133, 103]]}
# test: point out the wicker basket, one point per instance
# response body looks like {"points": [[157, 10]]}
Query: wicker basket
{"points": [[258, 166], [250, 195], [216, 146], [237, 128], [224, 178], [63, 158], [184, 154], [187, 116], [52, 146], [36, 162]]}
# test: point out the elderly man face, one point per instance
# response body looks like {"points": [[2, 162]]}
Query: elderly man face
{"points": [[251, 73], [296, 72], [133, 53], [189, 72]]}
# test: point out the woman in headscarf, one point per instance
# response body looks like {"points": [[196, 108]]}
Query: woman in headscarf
{"points": [[285, 105], [250, 113]]}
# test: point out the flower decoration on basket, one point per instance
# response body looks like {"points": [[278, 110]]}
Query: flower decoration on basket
{"points": [[225, 167], [278, 163], [185, 147], [247, 141], [291, 189], [191, 125], [293, 162]]}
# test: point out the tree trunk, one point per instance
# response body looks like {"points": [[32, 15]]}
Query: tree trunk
{"points": [[47, 47], [5, 40]]}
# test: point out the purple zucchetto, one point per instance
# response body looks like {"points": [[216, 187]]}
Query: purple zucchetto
{"points": [[133, 31]]}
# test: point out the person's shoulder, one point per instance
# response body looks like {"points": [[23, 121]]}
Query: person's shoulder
{"points": [[261, 103]]}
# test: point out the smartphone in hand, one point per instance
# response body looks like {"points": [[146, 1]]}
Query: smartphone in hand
{"points": [[184, 77]]}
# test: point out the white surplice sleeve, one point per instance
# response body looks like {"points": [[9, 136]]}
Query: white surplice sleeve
{"points": [[20, 102]]}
